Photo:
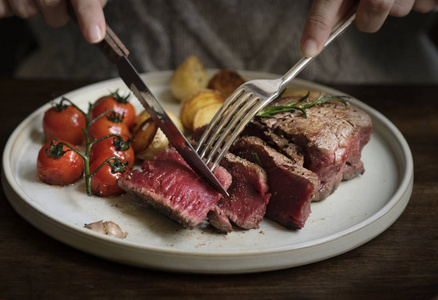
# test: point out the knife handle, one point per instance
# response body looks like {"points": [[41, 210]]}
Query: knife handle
{"points": [[111, 46]]}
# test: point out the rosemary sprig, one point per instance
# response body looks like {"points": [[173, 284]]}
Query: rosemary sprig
{"points": [[300, 105]]}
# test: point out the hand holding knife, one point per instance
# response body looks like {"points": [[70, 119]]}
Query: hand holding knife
{"points": [[117, 53]]}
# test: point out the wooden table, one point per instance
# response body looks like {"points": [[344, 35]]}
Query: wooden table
{"points": [[401, 263]]}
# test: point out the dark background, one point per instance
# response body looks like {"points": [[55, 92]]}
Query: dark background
{"points": [[18, 42]]}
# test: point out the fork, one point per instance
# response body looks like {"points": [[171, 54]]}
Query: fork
{"points": [[246, 101]]}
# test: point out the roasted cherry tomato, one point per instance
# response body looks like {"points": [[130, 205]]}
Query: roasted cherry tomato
{"points": [[119, 104], [59, 165], [111, 123], [114, 146], [64, 122], [104, 181]]}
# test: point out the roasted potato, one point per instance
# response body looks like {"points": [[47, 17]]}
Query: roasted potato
{"points": [[189, 78], [226, 82], [159, 142], [190, 107], [205, 114], [139, 119], [147, 139], [143, 136]]}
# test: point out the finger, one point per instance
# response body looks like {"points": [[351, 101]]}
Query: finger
{"points": [[322, 17], [425, 6], [5, 10], [91, 19], [401, 8], [371, 14], [53, 11], [23, 8]]}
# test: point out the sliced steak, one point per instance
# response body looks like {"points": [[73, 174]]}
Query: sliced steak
{"points": [[292, 187], [332, 138], [279, 143], [248, 194], [170, 186]]}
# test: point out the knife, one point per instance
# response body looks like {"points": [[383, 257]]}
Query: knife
{"points": [[117, 53]]}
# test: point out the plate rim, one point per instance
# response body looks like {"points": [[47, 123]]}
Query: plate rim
{"points": [[403, 191]]}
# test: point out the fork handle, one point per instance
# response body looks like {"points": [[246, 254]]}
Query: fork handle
{"points": [[303, 62]]}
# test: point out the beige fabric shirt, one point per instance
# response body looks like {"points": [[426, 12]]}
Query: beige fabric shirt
{"points": [[260, 35]]}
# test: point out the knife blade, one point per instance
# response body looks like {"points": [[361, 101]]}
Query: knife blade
{"points": [[117, 53]]}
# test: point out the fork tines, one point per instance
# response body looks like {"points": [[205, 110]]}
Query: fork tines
{"points": [[247, 101], [227, 124]]}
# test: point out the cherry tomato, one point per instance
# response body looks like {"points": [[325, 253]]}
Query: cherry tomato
{"points": [[64, 122], [104, 182], [108, 124], [59, 165], [114, 146], [119, 104]]}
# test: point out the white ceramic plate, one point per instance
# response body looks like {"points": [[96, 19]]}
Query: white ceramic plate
{"points": [[358, 211]]}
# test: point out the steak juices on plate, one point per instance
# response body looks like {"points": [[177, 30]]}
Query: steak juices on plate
{"points": [[278, 166]]}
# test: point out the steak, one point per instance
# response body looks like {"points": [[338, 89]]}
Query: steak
{"points": [[279, 143], [170, 186], [331, 137], [248, 195], [277, 167], [292, 187]]}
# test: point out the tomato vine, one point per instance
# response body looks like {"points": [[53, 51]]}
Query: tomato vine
{"points": [[116, 165]]}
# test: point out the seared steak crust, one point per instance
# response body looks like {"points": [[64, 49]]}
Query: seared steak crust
{"points": [[218, 219], [332, 138], [279, 143]]}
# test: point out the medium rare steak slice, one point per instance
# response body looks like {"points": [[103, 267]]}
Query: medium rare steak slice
{"points": [[170, 186], [332, 138], [292, 187], [248, 195]]}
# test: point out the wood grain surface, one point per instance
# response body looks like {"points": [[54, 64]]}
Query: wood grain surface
{"points": [[401, 263]]}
